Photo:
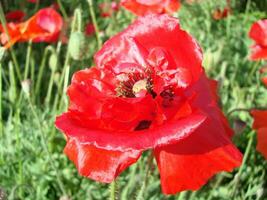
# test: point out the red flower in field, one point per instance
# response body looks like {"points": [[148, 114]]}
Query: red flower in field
{"points": [[148, 93], [32, 1], [89, 29], [263, 70], [142, 7], [260, 124], [220, 14], [107, 9], [15, 16], [44, 26], [258, 33], [264, 80]]}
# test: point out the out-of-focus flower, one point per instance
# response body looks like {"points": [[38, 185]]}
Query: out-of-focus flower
{"points": [[55, 6], [15, 16], [32, 1], [258, 33], [148, 93], [263, 71], [107, 8], [44, 26], [260, 124], [89, 29], [264, 80], [142, 7], [220, 14]]}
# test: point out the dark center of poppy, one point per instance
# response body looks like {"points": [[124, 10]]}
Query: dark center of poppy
{"points": [[144, 124], [168, 96], [135, 83]]}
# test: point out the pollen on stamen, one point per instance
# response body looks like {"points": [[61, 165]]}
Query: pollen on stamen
{"points": [[134, 83]]}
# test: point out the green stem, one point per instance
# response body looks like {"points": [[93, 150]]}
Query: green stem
{"points": [[41, 70], [14, 58], [27, 68], [1, 125], [62, 9], [45, 147], [130, 183], [65, 72], [245, 158], [254, 68], [78, 14], [141, 193], [27, 63], [36, 5], [50, 86], [66, 80], [113, 190], [182, 195], [92, 13]]}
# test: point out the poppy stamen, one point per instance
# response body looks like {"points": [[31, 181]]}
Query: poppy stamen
{"points": [[135, 83]]}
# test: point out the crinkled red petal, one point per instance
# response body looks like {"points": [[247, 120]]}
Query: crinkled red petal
{"points": [[99, 164], [128, 140], [134, 44]]}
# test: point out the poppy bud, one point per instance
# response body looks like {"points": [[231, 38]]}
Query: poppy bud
{"points": [[26, 86], [53, 62], [77, 46], [57, 78]]}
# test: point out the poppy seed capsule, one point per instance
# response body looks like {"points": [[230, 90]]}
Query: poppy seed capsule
{"points": [[77, 46]]}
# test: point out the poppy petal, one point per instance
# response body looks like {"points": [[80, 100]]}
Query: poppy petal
{"points": [[141, 140], [262, 141], [260, 118], [258, 52], [142, 7], [188, 164], [99, 164], [145, 33], [258, 32]]}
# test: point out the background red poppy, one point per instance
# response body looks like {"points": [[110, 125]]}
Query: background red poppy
{"points": [[260, 119], [142, 7]]}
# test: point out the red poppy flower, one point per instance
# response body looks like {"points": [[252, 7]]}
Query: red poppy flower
{"points": [[263, 71], [142, 7], [260, 119], [146, 93], [264, 80], [15, 16], [89, 29], [258, 33], [32, 1], [44, 26], [107, 9]]}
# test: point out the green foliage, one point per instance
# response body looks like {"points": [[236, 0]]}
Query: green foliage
{"points": [[26, 171]]}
